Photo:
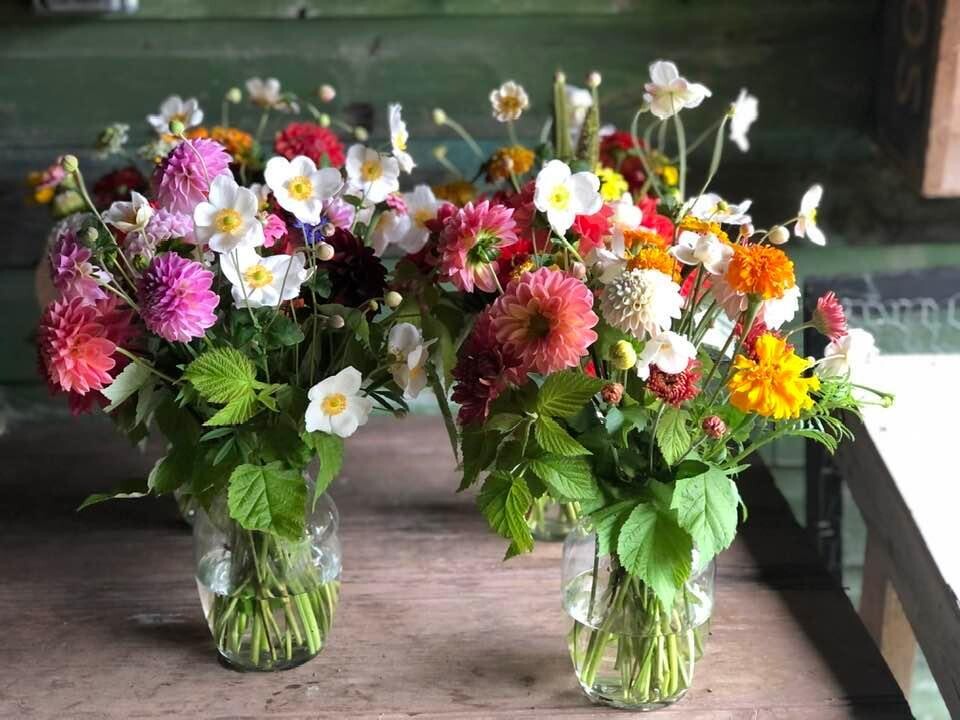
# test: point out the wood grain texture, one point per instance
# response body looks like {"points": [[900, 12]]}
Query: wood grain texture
{"points": [[102, 620]]}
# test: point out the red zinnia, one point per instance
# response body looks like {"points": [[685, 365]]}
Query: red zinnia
{"points": [[312, 140], [676, 388], [592, 229], [615, 153]]}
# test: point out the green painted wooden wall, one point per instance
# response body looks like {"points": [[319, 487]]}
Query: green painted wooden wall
{"points": [[811, 62]]}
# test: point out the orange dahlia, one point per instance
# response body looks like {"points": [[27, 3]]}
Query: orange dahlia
{"points": [[638, 237], [513, 158], [655, 258], [773, 384], [760, 270], [458, 192], [237, 142]]}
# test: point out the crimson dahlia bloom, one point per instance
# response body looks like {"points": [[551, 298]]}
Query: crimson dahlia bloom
{"points": [[316, 142]]}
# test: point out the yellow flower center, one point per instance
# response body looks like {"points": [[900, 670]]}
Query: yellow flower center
{"points": [[812, 215], [509, 104], [371, 170], [228, 221], [422, 216], [335, 403], [300, 187], [257, 276], [400, 141], [560, 197]]}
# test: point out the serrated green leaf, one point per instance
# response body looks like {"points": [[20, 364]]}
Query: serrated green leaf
{"points": [[706, 505], [607, 522], [270, 498], [673, 438], [148, 398], [174, 469], [569, 478], [554, 439], [222, 375], [282, 331], [505, 501], [478, 449], [131, 378], [329, 452], [565, 393], [214, 434], [654, 548], [237, 411], [503, 422]]}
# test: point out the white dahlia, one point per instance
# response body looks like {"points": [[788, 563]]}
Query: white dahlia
{"points": [[641, 302]]}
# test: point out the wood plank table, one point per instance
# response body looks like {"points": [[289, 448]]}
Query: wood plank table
{"points": [[101, 619]]}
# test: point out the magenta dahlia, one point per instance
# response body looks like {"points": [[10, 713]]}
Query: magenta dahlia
{"points": [[72, 272], [175, 298], [183, 178], [471, 242]]}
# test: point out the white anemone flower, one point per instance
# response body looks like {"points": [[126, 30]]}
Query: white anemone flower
{"points": [[844, 357], [641, 302], [706, 250], [392, 228], [667, 92], [228, 220], [713, 208], [336, 405], [399, 138], [129, 216], [263, 281], [563, 195], [743, 113], [669, 351], [409, 355], [373, 174], [300, 187], [806, 225], [267, 94], [778, 311], [175, 108], [509, 101], [626, 215], [422, 207]]}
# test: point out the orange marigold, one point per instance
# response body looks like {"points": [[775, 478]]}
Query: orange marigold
{"points": [[655, 258], [237, 142], [515, 158], [638, 237], [458, 192], [773, 385], [760, 270]]}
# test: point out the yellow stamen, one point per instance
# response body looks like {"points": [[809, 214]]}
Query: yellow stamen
{"points": [[300, 187], [257, 276], [560, 197], [334, 404], [422, 216], [371, 170], [228, 221]]}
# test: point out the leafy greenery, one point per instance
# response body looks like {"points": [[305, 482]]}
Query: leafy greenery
{"points": [[653, 546], [504, 501], [564, 393], [269, 498], [673, 438]]}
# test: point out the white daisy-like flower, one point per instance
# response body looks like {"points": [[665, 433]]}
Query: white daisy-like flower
{"points": [[707, 250], [563, 195], [336, 405], [776, 312], [129, 216], [743, 113], [509, 101], [267, 94], [669, 351], [391, 229], [626, 216], [263, 281], [847, 355], [806, 225], [641, 302], [408, 358], [300, 187], [399, 138], [228, 220], [422, 207], [713, 208], [175, 108], [373, 174], [667, 92]]}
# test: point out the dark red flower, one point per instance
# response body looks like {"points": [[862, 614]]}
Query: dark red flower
{"points": [[614, 153], [312, 140], [592, 229], [660, 224], [117, 185], [759, 327], [676, 388], [356, 274], [524, 214]]}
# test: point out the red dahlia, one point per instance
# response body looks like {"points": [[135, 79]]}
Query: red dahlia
{"points": [[312, 140], [675, 388], [356, 274], [117, 185]]}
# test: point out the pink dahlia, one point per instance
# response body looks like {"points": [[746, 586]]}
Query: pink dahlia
{"points": [[175, 298], [73, 274], [546, 317], [274, 228], [167, 225], [183, 178], [471, 242], [829, 317], [75, 351]]}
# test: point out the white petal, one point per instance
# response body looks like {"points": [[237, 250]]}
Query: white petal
{"points": [[276, 172], [316, 419], [302, 165], [327, 182], [223, 191], [663, 72], [811, 199], [344, 424], [561, 220], [815, 234], [584, 193]]}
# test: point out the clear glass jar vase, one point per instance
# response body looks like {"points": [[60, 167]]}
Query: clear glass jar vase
{"points": [[552, 521], [628, 650], [269, 602], [187, 504]]}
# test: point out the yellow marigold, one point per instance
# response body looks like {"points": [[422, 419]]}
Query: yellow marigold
{"points": [[670, 175], [760, 270], [524, 267], [458, 192], [655, 258], [612, 184], [773, 385], [513, 157], [237, 142], [689, 222], [638, 237]]}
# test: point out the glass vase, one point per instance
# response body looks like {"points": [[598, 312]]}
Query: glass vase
{"points": [[269, 602], [187, 505], [628, 649], [552, 521]]}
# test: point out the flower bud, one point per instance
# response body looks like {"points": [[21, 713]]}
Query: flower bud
{"points": [[440, 152], [70, 163], [177, 127], [623, 355], [714, 426], [326, 93], [393, 299], [67, 202], [90, 235], [325, 251], [439, 116], [578, 270], [324, 120], [612, 393], [328, 229], [778, 235], [560, 77], [747, 230], [594, 79], [361, 134], [373, 305], [234, 95], [336, 321]]}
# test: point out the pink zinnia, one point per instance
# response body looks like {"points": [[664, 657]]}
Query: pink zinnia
{"points": [[75, 352], [829, 317], [183, 178], [73, 274], [471, 242], [175, 298], [546, 317], [274, 228]]}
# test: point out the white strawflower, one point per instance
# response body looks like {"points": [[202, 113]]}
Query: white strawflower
{"points": [[641, 302], [508, 101]]}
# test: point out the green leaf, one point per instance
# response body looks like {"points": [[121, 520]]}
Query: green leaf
{"points": [[131, 378], [282, 331], [222, 375], [270, 498], [614, 420], [569, 478], [706, 505], [237, 411], [478, 449], [505, 501], [607, 522], [673, 439], [214, 434], [176, 468], [554, 439], [503, 422], [329, 451], [563, 394], [654, 548], [125, 493]]}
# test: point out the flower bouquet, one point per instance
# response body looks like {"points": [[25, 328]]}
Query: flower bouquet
{"points": [[235, 302], [634, 354]]}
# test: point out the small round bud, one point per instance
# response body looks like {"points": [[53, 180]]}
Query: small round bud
{"points": [[439, 116], [336, 321], [579, 270], [361, 134], [594, 79], [326, 93], [177, 127], [373, 305], [714, 427], [778, 235], [67, 202], [623, 355], [560, 77], [612, 393], [325, 251], [393, 299], [70, 163], [91, 235], [440, 152], [328, 229], [887, 401], [324, 120], [234, 95], [747, 230]]}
